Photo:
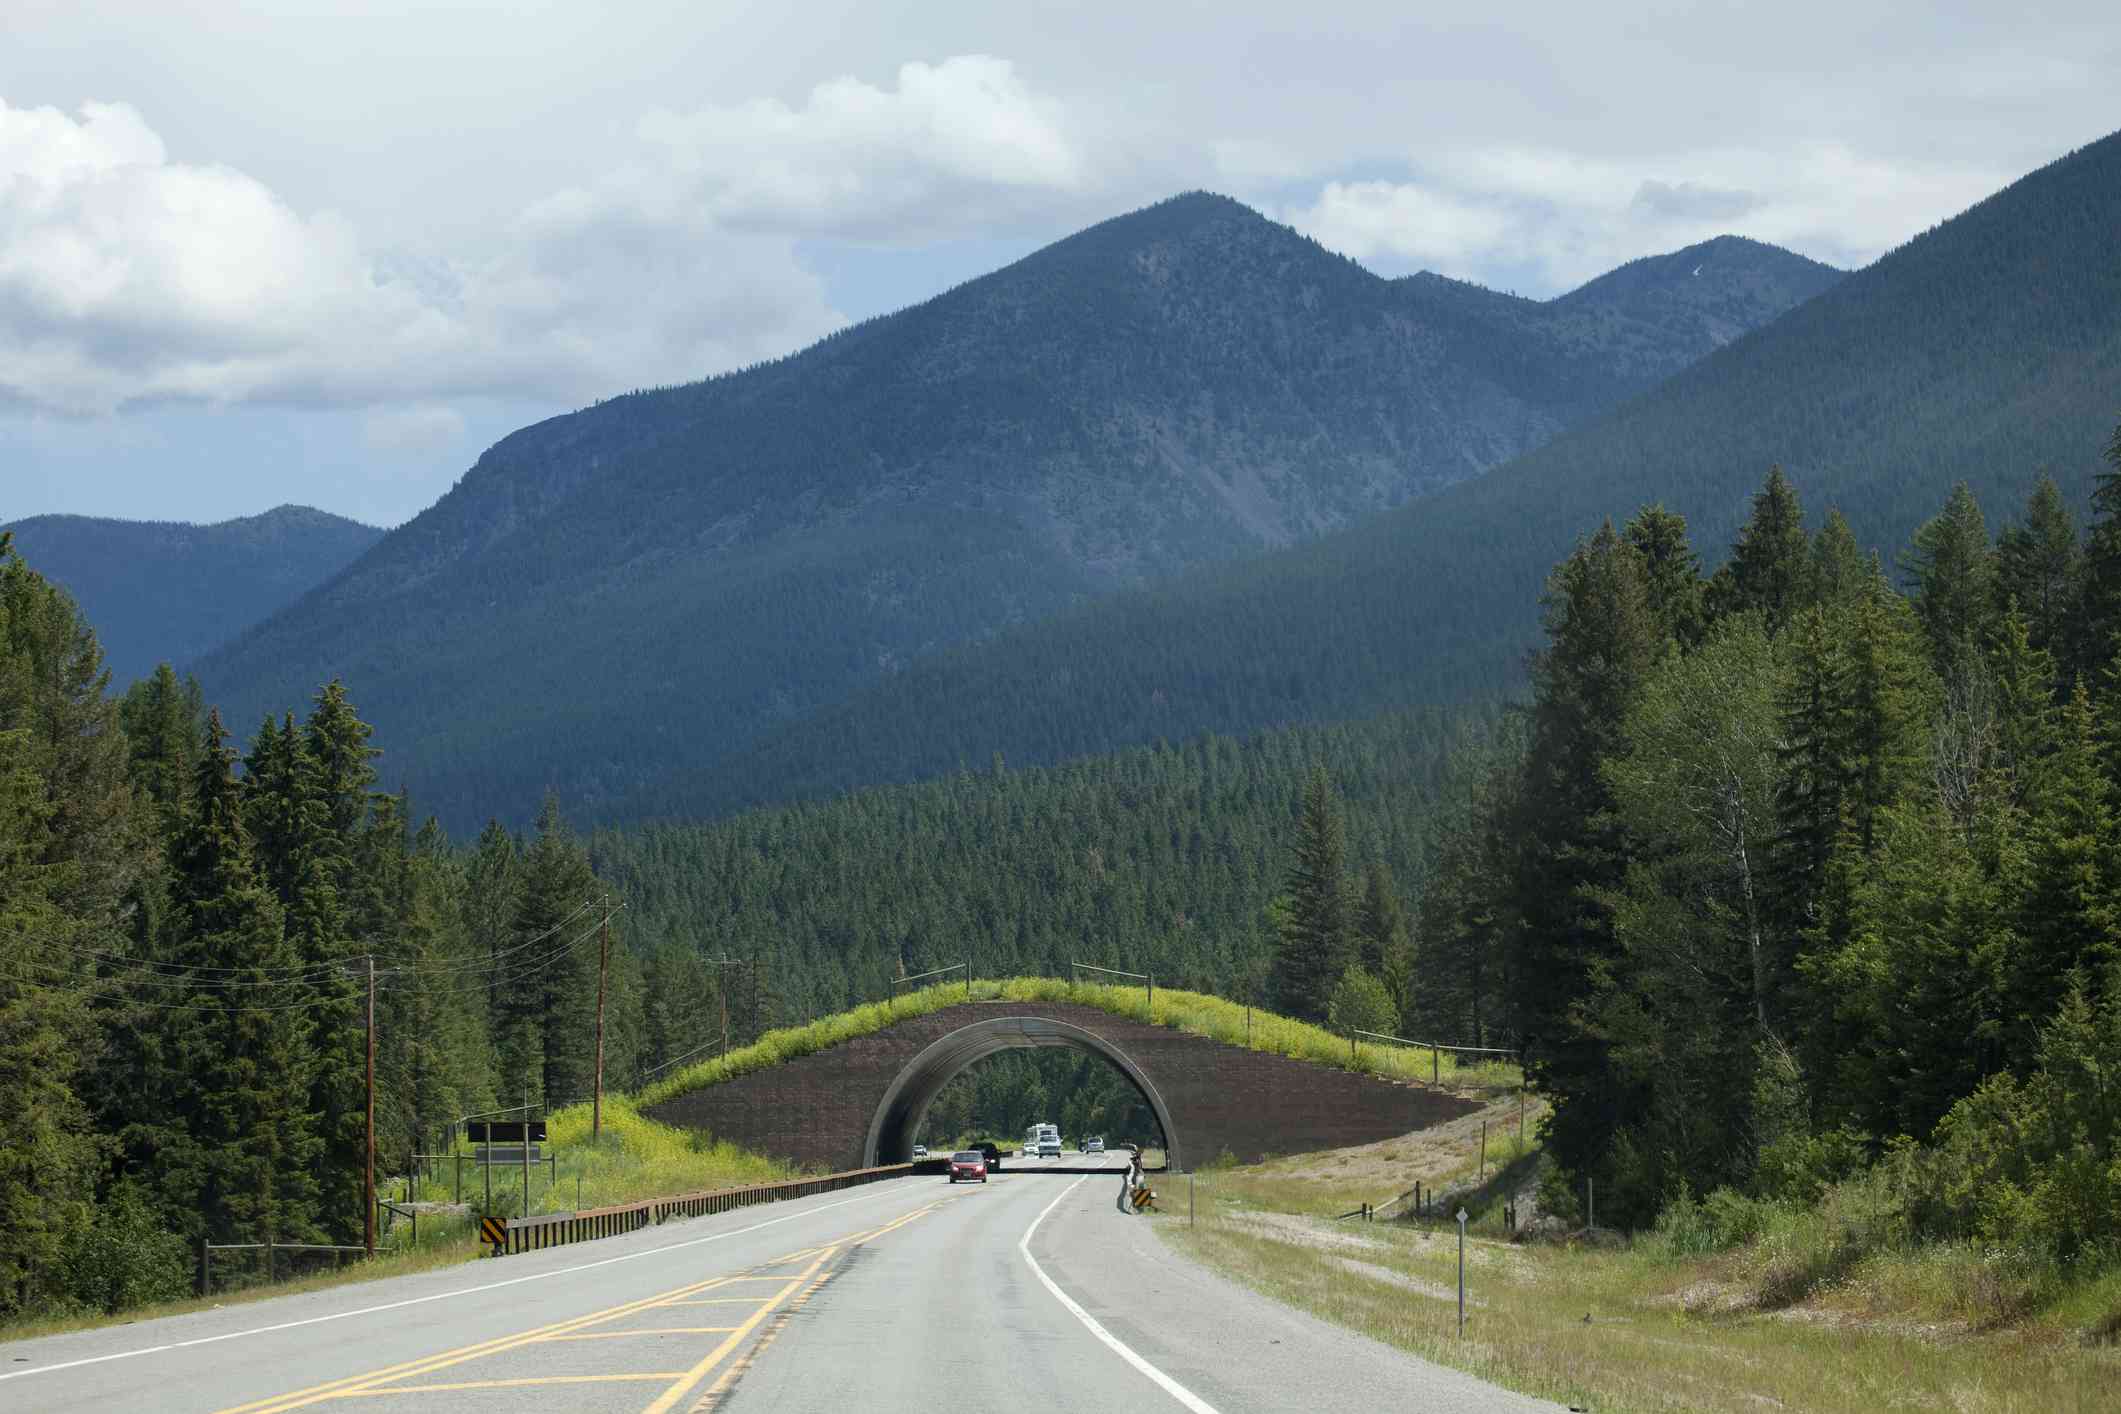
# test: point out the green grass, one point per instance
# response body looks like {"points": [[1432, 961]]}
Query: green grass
{"points": [[1195, 1013], [635, 1159], [444, 1242]]}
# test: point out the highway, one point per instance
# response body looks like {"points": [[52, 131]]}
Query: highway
{"points": [[907, 1295]]}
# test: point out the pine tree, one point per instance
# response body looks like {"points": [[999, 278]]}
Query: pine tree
{"points": [[1380, 923], [1955, 579], [1770, 566], [1601, 640], [1815, 777], [1317, 936], [1889, 693], [2023, 678], [244, 1168], [2070, 909], [2098, 636], [1840, 569], [164, 722], [2039, 566], [546, 1046], [70, 861], [1671, 571]]}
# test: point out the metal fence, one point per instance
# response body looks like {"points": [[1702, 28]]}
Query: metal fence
{"points": [[273, 1260], [557, 1229], [1434, 1048]]}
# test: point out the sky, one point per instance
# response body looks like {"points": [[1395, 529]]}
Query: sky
{"points": [[326, 253]]}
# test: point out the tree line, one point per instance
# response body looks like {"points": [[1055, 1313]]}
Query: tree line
{"points": [[1801, 869], [188, 924], [187, 938]]}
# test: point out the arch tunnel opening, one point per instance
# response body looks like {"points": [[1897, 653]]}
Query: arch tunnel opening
{"points": [[901, 1115]]}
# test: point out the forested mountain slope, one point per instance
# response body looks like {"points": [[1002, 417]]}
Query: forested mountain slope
{"points": [[639, 588], [1987, 349], [169, 591], [1161, 857]]}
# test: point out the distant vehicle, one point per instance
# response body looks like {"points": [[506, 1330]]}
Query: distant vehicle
{"points": [[1047, 1144], [1094, 1146], [968, 1164], [993, 1155], [920, 1151]]}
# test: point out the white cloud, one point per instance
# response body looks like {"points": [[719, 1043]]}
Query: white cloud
{"points": [[126, 277], [1559, 218], [954, 145], [1413, 222]]}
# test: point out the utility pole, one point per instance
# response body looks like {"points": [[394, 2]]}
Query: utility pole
{"points": [[368, 1183], [596, 1104]]}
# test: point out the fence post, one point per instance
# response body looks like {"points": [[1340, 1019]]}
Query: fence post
{"points": [[1461, 1273], [268, 1260], [1483, 1151], [1435, 1065], [206, 1275]]}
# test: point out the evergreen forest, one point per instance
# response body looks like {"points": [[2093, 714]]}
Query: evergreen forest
{"points": [[1798, 872], [1810, 868]]}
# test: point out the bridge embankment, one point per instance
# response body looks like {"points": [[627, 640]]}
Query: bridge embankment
{"points": [[860, 1102]]}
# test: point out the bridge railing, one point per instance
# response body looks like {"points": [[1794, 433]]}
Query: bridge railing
{"points": [[534, 1234]]}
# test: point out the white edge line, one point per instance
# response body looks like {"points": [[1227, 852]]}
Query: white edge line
{"points": [[1125, 1352], [437, 1296]]}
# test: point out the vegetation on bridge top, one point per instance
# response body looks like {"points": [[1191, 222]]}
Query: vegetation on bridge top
{"points": [[1194, 1013]]}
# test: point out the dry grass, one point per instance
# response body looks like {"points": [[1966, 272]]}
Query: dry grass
{"points": [[1641, 1329]]}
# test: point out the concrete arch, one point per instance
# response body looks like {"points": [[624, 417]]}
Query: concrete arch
{"points": [[914, 1088]]}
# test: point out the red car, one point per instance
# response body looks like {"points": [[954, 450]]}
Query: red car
{"points": [[968, 1164]]}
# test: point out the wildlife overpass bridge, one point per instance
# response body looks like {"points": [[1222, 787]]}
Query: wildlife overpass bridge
{"points": [[861, 1103]]}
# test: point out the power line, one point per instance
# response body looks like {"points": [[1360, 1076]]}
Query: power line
{"points": [[309, 975]]}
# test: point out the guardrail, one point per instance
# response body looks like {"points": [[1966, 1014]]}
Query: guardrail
{"points": [[534, 1234]]}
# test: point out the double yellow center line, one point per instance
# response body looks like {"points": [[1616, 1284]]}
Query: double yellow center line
{"points": [[390, 1380]]}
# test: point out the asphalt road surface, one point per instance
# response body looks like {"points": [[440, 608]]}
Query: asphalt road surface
{"points": [[910, 1295]]}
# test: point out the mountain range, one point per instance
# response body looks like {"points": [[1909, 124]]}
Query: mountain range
{"points": [[169, 591], [638, 590], [645, 586], [1986, 350]]}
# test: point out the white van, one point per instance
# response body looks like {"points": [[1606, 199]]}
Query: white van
{"points": [[1046, 1141]]}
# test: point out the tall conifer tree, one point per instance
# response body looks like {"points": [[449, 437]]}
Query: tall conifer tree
{"points": [[244, 1169], [1770, 565], [1317, 936]]}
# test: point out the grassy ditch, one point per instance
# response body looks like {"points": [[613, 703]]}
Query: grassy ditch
{"points": [[635, 1159], [1195, 1013], [1811, 1310], [446, 1242]]}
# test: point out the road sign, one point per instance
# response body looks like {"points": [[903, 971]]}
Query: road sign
{"points": [[507, 1154], [493, 1231], [506, 1131]]}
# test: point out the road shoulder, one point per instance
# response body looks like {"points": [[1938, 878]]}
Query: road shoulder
{"points": [[1234, 1347]]}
